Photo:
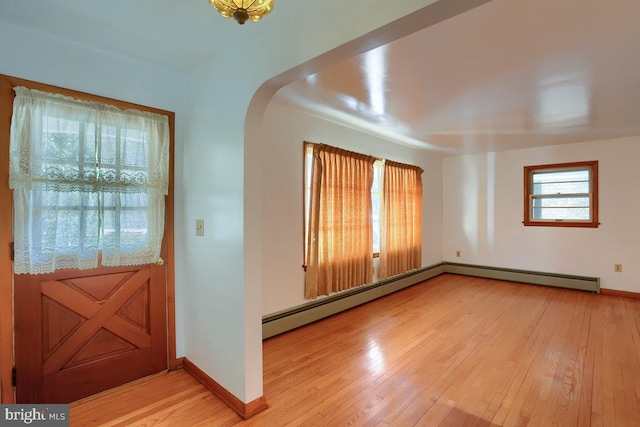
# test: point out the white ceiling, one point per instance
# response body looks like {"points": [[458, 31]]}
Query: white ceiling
{"points": [[174, 34], [508, 74]]}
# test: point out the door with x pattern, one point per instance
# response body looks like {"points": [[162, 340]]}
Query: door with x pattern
{"points": [[90, 178], [81, 332]]}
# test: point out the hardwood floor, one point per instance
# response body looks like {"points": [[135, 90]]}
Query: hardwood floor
{"points": [[454, 351]]}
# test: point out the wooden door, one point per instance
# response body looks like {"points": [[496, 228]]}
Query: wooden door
{"points": [[81, 332]]}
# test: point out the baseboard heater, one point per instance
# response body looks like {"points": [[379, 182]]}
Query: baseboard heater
{"points": [[582, 283], [286, 320]]}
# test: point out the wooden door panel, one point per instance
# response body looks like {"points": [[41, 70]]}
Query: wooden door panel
{"points": [[61, 323], [78, 385], [81, 332]]}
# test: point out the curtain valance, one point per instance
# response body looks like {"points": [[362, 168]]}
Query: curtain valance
{"points": [[59, 143], [87, 178]]}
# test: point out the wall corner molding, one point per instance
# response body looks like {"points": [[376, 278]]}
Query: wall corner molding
{"points": [[245, 410]]}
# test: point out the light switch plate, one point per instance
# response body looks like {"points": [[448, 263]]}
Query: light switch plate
{"points": [[199, 227]]}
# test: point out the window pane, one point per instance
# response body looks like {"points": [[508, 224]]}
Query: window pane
{"points": [[567, 182], [561, 188], [557, 202], [126, 215], [60, 139], [573, 214], [574, 175], [376, 207], [68, 221], [89, 143], [134, 148], [308, 165]]}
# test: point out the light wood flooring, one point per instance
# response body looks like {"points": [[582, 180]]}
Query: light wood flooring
{"points": [[453, 351]]}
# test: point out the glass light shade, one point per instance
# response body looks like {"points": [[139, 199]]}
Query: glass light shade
{"points": [[242, 10]]}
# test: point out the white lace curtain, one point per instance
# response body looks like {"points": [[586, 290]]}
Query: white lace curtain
{"points": [[86, 177]]}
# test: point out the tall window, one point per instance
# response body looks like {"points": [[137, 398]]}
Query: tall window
{"points": [[376, 205], [350, 204], [86, 178], [564, 195], [401, 230], [376, 198], [340, 233]]}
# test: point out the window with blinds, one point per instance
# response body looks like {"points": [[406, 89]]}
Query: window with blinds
{"points": [[563, 195]]}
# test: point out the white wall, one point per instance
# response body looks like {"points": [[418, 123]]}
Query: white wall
{"points": [[223, 160], [39, 57], [483, 204], [218, 155], [284, 130]]}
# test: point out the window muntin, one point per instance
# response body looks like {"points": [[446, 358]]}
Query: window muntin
{"points": [[562, 195]]}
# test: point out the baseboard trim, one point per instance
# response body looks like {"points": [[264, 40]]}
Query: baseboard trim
{"points": [[582, 283], [286, 320], [617, 293], [245, 410], [179, 364]]}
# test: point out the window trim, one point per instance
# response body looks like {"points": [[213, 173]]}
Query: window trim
{"points": [[529, 171]]}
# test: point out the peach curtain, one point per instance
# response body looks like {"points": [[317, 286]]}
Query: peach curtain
{"points": [[401, 225], [340, 229]]}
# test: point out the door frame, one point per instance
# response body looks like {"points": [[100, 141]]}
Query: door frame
{"points": [[7, 342]]}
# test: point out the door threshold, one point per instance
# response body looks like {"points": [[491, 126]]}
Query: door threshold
{"points": [[114, 389]]}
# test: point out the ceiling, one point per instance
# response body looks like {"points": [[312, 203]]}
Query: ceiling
{"points": [[509, 74], [160, 32]]}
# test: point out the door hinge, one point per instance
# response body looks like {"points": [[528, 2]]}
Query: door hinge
{"points": [[14, 377], [12, 251]]}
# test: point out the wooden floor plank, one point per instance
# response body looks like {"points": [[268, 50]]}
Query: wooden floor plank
{"points": [[452, 351]]}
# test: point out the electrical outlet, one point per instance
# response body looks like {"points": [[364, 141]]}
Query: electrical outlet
{"points": [[618, 268], [458, 254], [199, 227]]}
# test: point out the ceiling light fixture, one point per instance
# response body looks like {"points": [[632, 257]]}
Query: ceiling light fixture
{"points": [[242, 10]]}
